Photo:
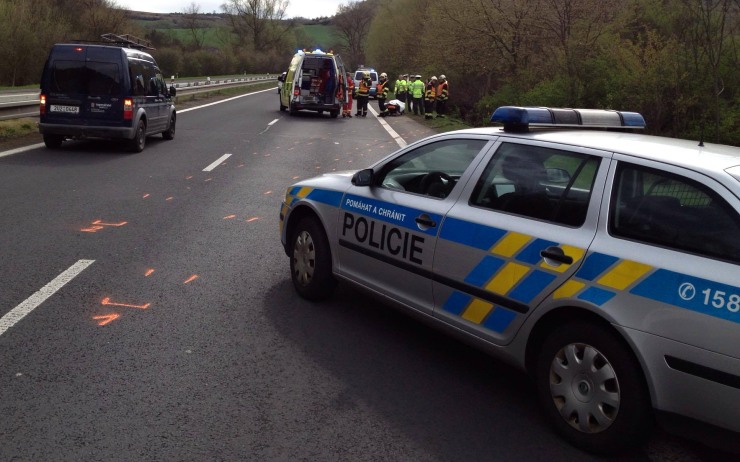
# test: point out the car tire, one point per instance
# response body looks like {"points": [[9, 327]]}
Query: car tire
{"points": [[292, 110], [169, 134], [334, 114], [282, 108], [310, 260], [53, 141], [139, 141], [592, 389]]}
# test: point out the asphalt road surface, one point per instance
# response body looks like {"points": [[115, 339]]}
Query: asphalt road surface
{"points": [[148, 314]]}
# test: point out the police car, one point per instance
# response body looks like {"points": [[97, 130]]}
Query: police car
{"points": [[605, 263]]}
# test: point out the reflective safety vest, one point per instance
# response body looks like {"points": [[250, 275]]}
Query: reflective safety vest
{"points": [[364, 87], [401, 86], [382, 90], [431, 93], [417, 89], [442, 91]]}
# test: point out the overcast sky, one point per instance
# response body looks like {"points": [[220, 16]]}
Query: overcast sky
{"points": [[296, 8]]}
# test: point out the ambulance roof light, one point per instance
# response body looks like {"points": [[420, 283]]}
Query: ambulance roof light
{"points": [[517, 118]]}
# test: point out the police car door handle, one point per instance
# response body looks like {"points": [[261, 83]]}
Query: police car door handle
{"points": [[425, 221], [556, 254]]}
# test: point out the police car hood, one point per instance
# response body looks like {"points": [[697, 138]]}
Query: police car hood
{"points": [[333, 180]]}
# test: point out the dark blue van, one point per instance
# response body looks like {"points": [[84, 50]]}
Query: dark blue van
{"points": [[104, 91]]}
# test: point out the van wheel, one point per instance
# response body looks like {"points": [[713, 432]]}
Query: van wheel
{"points": [[53, 141], [292, 110], [282, 108], [310, 260], [592, 389], [170, 132], [139, 141], [334, 114]]}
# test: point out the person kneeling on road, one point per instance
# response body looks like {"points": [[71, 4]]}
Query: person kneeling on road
{"points": [[394, 107]]}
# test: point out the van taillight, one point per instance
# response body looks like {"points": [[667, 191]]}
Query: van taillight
{"points": [[128, 109], [42, 104], [297, 91]]}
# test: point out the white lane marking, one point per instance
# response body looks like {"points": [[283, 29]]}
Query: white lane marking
{"points": [[268, 126], [23, 149], [28, 305], [217, 162], [223, 100], [401, 142], [36, 146]]}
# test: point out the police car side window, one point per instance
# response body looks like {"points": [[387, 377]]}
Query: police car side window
{"points": [[433, 169], [671, 211], [536, 182]]}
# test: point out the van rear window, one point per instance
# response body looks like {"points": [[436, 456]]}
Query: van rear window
{"points": [[91, 78]]}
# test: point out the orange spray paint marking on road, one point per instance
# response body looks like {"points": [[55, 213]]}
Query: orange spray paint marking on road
{"points": [[97, 225], [145, 196], [228, 217], [189, 177], [106, 318], [149, 272], [91, 229], [170, 198], [266, 193], [296, 177], [191, 279], [99, 222], [106, 301], [249, 220]]}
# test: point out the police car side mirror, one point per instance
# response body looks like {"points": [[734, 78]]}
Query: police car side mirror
{"points": [[173, 91], [363, 177]]}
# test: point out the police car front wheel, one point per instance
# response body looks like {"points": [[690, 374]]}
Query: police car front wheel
{"points": [[310, 262], [592, 388]]}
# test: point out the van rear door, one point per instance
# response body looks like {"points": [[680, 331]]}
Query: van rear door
{"points": [[84, 85], [105, 85]]}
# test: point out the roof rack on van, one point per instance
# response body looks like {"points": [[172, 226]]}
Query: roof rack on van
{"points": [[128, 40]]}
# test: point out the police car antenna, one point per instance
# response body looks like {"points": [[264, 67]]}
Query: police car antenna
{"points": [[127, 40]]}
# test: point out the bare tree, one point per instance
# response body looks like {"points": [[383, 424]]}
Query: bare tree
{"points": [[353, 24], [262, 21], [98, 17], [191, 16], [708, 31]]}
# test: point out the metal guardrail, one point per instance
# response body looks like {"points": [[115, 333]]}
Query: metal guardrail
{"points": [[18, 104]]}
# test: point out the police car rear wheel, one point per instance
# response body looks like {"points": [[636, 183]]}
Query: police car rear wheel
{"points": [[310, 263], [592, 389]]}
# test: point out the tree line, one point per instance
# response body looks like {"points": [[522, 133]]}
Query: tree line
{"points": [[675, 61]]}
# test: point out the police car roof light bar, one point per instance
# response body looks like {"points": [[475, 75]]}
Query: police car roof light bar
{"points": [[518, 119]]}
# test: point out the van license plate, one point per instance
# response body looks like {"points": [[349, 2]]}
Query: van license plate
{"points": [[69, 109]]}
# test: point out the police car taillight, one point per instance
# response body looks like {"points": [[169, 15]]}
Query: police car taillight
{"points": [[128, 109], [296, 91], [42, 104], [517, 118]]}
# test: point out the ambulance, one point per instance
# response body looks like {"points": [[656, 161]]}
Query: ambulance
{"points": [[315, 81]]}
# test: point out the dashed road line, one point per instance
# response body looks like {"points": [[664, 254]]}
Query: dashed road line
{"points": [[32, 302], [217, 162]]}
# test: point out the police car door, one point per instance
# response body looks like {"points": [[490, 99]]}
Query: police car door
{"points": [[518, 232], [387, 231]]}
